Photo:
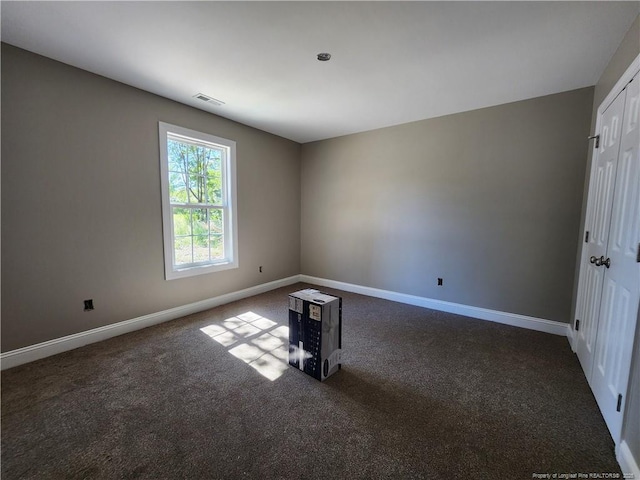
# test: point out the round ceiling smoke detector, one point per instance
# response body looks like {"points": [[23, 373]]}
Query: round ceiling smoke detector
{"points": [[324, 57]]}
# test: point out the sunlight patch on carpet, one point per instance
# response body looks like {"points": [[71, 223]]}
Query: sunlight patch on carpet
{"points": [[257, 341]]}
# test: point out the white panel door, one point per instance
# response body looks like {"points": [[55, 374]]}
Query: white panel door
{"points": [[597, 224], [621, 284]]}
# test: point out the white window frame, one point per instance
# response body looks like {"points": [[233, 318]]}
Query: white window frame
{"points": [[229, 203]]}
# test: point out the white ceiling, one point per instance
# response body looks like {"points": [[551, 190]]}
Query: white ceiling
{"points": [[392, 62]]}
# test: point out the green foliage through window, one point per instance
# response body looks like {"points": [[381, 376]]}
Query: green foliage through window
{"points": [[195, 173], [197, 196]]}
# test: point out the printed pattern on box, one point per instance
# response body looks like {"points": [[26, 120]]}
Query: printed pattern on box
{"points": [[315, 333]]}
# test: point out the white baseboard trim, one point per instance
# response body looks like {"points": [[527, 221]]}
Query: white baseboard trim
{"points": [[58, 345], [628, 464], [514, 319]]}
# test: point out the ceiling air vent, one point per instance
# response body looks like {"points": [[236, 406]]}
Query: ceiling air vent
{"points": [[208, 99]]}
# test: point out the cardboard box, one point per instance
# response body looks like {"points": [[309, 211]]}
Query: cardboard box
{"points": [[315, 333]]}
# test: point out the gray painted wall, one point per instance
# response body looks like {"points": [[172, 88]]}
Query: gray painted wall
{"points": [[628, 50], [81, 208], [489, 200]]}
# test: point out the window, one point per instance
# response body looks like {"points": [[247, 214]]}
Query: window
{"points": [[198, 202]]}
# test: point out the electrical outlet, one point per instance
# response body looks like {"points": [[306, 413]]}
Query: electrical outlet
{"points": [[439, 282], [88, 305]]}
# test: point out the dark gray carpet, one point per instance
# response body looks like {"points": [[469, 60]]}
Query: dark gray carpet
{"points": [[421, 394]]}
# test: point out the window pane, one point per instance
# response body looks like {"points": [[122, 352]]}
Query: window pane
{"points": [[214, 179], [183, 250], [197, 189], [217, 247], [177, 155], [202, 166], [215, 220], [197, 159], [181, 221], [188, 153], [201, 248], [200, 221], [177, 188]]}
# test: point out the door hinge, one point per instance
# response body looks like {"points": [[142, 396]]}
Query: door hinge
{"points": [[619, 402], [597, 138], [577, 324], [638, 257], [586, 236]]}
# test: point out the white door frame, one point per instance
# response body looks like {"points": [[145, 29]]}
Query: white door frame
{"points": [[631, 71], [626, 77]]}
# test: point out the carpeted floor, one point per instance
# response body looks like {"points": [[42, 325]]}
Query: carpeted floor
{"points": [[422, 394]]}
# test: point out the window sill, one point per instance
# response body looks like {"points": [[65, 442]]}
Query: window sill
{"points": [[199, 270]]}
